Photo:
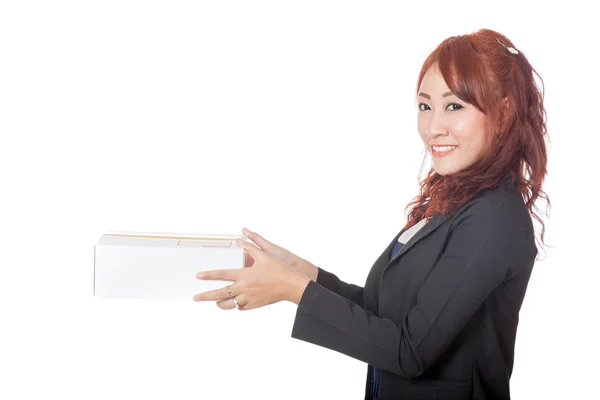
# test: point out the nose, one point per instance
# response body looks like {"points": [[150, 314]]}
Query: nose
{"points": [[436, 126]]}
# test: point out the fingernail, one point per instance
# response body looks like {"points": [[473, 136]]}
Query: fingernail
{"points": [[200, 275]]}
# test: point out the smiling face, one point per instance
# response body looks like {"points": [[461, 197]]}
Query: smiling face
{"points": [[454, 132]]}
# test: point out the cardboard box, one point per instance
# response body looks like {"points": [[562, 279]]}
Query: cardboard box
{"points": [[161, 266]]}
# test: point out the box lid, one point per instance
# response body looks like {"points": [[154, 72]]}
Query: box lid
{"points": [[169, 239]]}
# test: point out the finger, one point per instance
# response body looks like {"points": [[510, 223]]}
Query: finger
{"points": [[241, 299], [218, 294], [254, 251], [220, 275], [248, 260], [261, 242], [243, 303], [226, 304]]}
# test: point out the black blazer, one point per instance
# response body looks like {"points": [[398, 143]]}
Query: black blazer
{"points": [[443, 323]]}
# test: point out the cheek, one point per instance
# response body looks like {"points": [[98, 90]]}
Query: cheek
{"points": [[469, 134], [421, 129], [461, 130], [480, 138]]}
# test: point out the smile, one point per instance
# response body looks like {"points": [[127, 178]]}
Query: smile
{"points": [[438, 151]]}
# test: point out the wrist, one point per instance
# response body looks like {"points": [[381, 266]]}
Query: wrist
{"points": [[308, 269], [295, 287]]}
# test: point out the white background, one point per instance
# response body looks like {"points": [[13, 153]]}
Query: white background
{"points": [[294, 119]]}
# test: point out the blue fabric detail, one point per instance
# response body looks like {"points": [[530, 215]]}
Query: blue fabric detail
{"points": [[397, 248], [375, 383]]}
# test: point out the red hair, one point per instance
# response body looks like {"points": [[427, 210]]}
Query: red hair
{"points": [[482, 72]]}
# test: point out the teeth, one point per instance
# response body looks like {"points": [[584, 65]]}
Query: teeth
{"points": [[443, 149]]}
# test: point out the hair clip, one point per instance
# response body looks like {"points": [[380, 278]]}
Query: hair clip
{"points": [[511, 49]]}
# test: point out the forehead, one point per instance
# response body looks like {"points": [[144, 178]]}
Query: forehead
{"points": [[433, 82]]}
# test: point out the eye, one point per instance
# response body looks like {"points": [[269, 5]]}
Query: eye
{"points": [[455, 105]]}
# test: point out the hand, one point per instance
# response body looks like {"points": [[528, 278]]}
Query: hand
{"points": [[267, 281], [285, 256]]}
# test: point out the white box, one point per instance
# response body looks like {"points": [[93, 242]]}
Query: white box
{"points": [[161, 266]]}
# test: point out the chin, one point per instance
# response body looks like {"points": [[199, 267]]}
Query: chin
{"points": [[445, 170]]}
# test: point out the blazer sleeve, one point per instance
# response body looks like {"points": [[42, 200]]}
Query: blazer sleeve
{"points": [[331, 282], [483, 246]]}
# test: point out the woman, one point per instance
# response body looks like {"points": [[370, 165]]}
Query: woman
{"points": [[437, 316]]}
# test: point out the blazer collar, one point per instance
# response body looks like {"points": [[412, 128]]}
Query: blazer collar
{"points": [[427, 229]]}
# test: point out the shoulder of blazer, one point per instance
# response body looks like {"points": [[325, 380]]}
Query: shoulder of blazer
{"points": [[502, 207], [503, 213], [501, 202]]}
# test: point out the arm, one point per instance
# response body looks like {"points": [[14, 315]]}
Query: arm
{"points": [[483, 246], [329, 281], [349, 291]]}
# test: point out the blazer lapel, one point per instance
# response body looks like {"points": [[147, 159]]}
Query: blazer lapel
{"points": [[428, 228]]}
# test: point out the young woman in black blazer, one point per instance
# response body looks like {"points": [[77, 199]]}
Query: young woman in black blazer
{"points": [[438, 313]]}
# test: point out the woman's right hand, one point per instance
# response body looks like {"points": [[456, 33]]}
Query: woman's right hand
{"points": [[285, 256]]}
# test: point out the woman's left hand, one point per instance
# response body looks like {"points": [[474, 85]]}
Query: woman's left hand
{"points": [[267, 281]]}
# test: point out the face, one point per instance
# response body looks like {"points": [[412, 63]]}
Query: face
{"points": [[455, 133]]}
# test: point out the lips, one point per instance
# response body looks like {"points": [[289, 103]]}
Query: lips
{"points": [[439, 151], [443, 149]]}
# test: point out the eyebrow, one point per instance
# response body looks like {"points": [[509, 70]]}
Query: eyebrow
{"points": [[429, 97]]}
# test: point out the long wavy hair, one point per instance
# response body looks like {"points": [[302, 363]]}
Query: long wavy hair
{"points": [[481, 71]]}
